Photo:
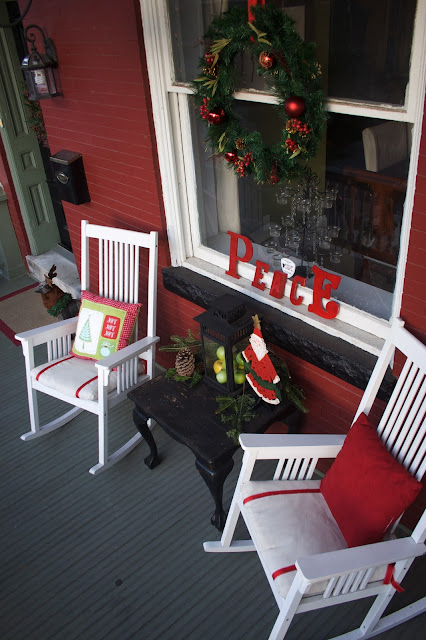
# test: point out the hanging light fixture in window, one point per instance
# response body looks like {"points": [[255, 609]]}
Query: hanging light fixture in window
{"points": [[39, 67]]}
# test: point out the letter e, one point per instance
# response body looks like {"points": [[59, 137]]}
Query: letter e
{"points": [[259, 275], [323, 291]]}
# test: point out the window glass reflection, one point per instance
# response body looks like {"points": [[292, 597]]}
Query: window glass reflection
{"points": [[347, 220], [364, 47]]}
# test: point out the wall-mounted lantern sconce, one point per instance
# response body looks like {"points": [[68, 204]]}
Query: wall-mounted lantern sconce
{"points": [[38, 67]]}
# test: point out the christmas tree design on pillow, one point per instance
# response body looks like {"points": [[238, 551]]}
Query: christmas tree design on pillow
{"points": [[104, 326]]}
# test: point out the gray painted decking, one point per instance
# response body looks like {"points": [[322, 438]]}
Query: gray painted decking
{"points": [[119, 556]]}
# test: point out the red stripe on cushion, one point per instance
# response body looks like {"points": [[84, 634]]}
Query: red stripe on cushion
{"points": [[389, 579], [77, 393], [52, 365], [280, 572], [279, 493]]}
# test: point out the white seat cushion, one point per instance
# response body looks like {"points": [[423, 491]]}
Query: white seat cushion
{"points": [[288, 526], [73, 377], [291, 525]]}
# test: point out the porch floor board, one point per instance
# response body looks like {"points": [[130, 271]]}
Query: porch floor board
{"points": [[119, 556]]}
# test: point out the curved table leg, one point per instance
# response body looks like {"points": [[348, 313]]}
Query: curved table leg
{"points": [[214, 477], [141, 423]]}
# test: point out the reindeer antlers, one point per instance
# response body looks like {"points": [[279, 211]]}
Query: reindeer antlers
{"points": [[52, 274]]}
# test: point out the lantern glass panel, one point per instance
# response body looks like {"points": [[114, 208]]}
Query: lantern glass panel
{"points": [[43, 81], [223, 365], [215, 360], [225, 329], [238, 362], [29, 80], [39, 77]]}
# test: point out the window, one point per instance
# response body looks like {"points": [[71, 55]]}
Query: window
{"points": [[366, 163]]}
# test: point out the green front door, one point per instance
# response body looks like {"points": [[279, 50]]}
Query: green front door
{"points": [[22, 150]]}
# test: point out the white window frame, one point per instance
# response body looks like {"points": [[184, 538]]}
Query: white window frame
{"points": [[173, 133]]}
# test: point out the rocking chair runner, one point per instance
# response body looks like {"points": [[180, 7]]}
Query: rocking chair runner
{"points": [[294, 531], [106, 382]]}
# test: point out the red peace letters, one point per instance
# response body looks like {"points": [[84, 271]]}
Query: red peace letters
{"points": [[324, 282]]}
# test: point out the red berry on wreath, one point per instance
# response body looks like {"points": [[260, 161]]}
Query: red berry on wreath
{"points": [[216, 116], [291, 145], [241, 168], [294, 106], [231, 157], [209, 58], [266, 60], [247, 159], [204, 108]]}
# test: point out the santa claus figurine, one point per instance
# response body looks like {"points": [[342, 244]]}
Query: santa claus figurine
{"points": [[262, 376]]}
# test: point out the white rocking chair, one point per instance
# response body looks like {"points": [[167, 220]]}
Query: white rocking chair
{"points": [[305, 556], [119, 254]]}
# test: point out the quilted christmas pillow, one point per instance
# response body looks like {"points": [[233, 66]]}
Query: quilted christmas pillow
{"points": [[365, 488], [104, 326]]}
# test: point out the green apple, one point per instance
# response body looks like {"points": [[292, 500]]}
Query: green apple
{"points": [[239, 377], [220, 353], [221, 376], [240, 360]]}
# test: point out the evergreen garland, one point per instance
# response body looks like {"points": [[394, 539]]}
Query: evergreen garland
{"points": [[36, 120], [62, 303], [236, 411], [294, 74]]}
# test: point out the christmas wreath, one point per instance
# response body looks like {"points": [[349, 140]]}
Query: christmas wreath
{"points": [[290, 70]]}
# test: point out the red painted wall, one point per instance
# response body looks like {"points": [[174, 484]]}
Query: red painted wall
{"points": [[105, 114], [414, 299]]}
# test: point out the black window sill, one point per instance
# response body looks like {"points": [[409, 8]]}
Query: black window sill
{"points": [[333, 355]]}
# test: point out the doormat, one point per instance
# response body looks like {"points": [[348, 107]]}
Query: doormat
{"points": [[22, 310]]}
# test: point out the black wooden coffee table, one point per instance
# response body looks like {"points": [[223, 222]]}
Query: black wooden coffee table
{"points": [[188, 415]]}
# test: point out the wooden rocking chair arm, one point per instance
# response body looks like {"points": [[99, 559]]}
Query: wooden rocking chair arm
{"points": [[272, 446], [335, 563], [48, 332], [129, 352]]}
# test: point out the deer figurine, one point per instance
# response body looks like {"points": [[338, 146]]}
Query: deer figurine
{"points": [[58, 304]]}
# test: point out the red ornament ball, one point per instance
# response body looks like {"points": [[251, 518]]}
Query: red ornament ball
{"points": [[266, 60], [216, 116], [209, 58], [273, 178], [231, 157], [294, 106]]}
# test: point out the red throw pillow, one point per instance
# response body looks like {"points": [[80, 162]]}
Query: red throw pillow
{"points": [[104, 326], [366, 489]]}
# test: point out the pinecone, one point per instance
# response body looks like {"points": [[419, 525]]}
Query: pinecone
{"points": [[185, 362]]}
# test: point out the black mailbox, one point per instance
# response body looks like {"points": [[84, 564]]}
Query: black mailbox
{"points": [[69, 176]]}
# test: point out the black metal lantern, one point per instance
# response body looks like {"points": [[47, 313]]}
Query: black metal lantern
{"points": [[38, 67], [224, 330]]}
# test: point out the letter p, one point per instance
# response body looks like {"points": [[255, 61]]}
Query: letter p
{"points": [[233, 253]]}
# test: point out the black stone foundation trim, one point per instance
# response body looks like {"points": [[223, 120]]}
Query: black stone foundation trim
{"points": [[331, 354]]}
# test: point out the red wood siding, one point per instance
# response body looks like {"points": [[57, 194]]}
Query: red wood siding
{"points": [[414, 299]]}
